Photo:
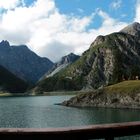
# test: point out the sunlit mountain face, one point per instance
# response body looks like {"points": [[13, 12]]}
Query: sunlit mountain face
{"points": [[108, 60]]}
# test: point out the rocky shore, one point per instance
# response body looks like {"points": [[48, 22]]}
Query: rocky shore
{"points": [[122, 95]]}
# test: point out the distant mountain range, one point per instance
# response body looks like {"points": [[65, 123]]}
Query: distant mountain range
{"points": [[20, 67], [63, 63], [22, 62], [109, 60]]}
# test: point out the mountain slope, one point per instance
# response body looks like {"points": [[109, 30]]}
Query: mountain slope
{"points": [[109, 59], [23, 62], [10, 83], [63, 63]]}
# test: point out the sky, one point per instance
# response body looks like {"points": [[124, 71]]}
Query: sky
{"points": [[54, 28]]}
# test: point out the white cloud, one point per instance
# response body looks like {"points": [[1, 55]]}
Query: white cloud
{"points": [[40, 25], [109, 24], [21, 21], [116, 4], [51, 34], [9, 4], [137, 14]]}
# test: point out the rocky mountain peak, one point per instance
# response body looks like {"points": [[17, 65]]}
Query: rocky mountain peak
{"points": [[4, 43], [69, 58], [70, 55], [23, 62], [66, 60], [98, 40], [63, 63], [132, 29], [110, 59]]}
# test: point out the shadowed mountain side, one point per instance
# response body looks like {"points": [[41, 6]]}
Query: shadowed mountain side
{"points": [[10, 83], [24, 63]]}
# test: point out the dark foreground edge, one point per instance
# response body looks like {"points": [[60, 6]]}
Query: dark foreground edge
{"points": [[106, 131]]}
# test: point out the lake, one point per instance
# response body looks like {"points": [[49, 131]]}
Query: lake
{"points": [[41, 112]]}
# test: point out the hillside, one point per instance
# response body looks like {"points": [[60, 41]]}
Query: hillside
{"points": [[122, 95], [10, 83], [109, 60], [24, 63]]}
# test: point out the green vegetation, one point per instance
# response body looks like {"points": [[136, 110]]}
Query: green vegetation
{"points": [[58, 84], [109, 60], [129, 87], [125, 87], [6, 94]]}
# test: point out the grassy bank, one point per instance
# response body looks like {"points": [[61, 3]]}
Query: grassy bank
{"points": [[125, 87], [6, 94], [3, 94]]}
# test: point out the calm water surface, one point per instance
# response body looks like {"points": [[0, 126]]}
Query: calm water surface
{"points": [[40, 112]]}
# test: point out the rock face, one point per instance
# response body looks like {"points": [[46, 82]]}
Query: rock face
{"points": [[63, 63], [109, 59], [70, 58], [10, 83], [132, 29], [23, 62], [122, 95], [101, 99]]}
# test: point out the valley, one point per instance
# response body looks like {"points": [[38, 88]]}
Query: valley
{"points": [[103, 76]]}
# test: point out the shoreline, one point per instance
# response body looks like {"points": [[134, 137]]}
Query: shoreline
{"points": [[125, 94], [29, 94], [98, 106]]}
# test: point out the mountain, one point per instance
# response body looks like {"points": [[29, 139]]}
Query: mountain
{"points": [[132, 29], [22, 62], [110, 59], [63, 63], [10, 83]]}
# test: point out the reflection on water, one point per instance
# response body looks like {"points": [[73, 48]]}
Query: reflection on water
{"points": [[40, 112]]}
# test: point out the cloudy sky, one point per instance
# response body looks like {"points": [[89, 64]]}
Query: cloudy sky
{"points": [[54, 28]]}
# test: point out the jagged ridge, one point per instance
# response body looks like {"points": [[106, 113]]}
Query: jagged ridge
{"points": [[63, 63], [109, 59], [24, 63]]}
